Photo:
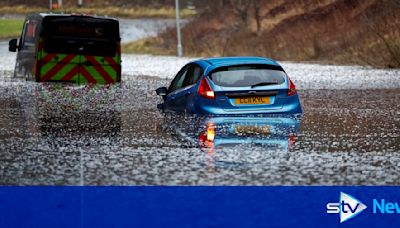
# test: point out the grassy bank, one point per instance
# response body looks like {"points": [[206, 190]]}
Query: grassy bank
{"points": [[166, 12], [10, 28], [332, 31], [22, 9], [147, 46]]}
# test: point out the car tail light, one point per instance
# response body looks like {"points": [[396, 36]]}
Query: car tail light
{"points": [[205, 89], [292, 88]]}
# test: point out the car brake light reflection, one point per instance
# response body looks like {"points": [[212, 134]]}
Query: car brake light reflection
{"points": [[206, 138], [291, 141], [210, 132]]}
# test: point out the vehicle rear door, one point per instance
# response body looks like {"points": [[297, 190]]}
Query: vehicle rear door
{"points": [[183, 96], [100, 53], [99, 69], [58, 55], [174, 100], [58, 67], [80, 49], [242, 88]]}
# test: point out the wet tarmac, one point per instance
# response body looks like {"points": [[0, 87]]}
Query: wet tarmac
{"points": [[52, 134]]}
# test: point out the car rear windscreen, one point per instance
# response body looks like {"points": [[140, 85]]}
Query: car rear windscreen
{"points": [[248, 75], [80, 35]]}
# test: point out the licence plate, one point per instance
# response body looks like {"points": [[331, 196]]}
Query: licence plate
{"points": [[252, 130], [252, 100]]}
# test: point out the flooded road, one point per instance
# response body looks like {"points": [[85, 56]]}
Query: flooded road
{"points": [[51, 134], [136, 29]]}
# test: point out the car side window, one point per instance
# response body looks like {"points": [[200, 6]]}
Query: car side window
{"points": [[29, 34], [193, 75], [179, 79], [197, 72]]}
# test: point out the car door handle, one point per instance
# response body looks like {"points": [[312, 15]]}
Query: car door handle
{"points": [[187, 93]]}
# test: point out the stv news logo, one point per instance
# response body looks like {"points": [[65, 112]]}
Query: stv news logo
{"points": [[347, 208]]}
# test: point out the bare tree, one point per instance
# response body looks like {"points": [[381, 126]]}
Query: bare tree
{"points": [[390, 47], [242, 9], [257, 14]]}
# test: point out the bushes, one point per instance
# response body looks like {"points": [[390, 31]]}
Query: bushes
{"points": [[337, 31]]}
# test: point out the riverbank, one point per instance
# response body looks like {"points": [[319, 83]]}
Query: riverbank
{"points": [[345, 32]]}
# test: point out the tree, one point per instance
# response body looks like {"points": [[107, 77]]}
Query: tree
{"points": [[257, 14], [242, 9]]}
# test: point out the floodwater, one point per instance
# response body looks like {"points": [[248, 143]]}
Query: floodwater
{"points": [[130, 29], [136, 29], [53, 134]]}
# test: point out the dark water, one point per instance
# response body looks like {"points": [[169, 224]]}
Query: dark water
{"points": [[64, 135]]}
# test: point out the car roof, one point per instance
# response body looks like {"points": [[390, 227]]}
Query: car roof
{"points": [[43, 15], [212, 63]]}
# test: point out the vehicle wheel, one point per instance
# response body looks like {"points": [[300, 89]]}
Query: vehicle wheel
{"points": [[28, 76], [16, 69], [19, 72]]}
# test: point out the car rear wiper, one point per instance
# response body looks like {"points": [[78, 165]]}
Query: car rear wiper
{"points": [[264, 84]]}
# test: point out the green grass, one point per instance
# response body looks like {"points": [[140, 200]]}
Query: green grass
{"points": [[10, 28], [149, 45], [128, 12], [21, 9], [132, 12]]}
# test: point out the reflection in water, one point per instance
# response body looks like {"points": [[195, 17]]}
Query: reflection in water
{"points": [[214, 135], [62, 110], [56, 134], [64, 119], [273, 133]]}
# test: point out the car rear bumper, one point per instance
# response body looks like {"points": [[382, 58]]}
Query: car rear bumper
{"points": [[293, 106]]}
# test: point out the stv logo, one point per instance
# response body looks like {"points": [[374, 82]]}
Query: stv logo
{"points": [[347, 208]]}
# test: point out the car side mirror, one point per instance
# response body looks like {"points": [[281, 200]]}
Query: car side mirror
{"points": [[13, 45], [162, 91]]}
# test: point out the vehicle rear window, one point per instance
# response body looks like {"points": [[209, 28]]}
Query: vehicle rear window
{"points": [[248, 75], [80, 35]]}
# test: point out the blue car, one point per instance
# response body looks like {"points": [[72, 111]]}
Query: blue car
{"points": [[231, 85]]}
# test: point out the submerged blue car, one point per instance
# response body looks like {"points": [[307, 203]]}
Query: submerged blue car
{"points": [[231, 85]]}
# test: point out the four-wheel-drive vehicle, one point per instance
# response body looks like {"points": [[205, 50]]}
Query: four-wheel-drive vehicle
{"points": [[68, 48]]}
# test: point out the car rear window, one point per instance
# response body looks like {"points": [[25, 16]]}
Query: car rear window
{"points": [[80, 35], [248, 75]]}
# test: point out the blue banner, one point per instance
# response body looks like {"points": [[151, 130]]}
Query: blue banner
{"points": [[199, 206]]}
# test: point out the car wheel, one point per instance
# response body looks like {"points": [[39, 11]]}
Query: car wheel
{"points": [[28, 76], [16, 70]]}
